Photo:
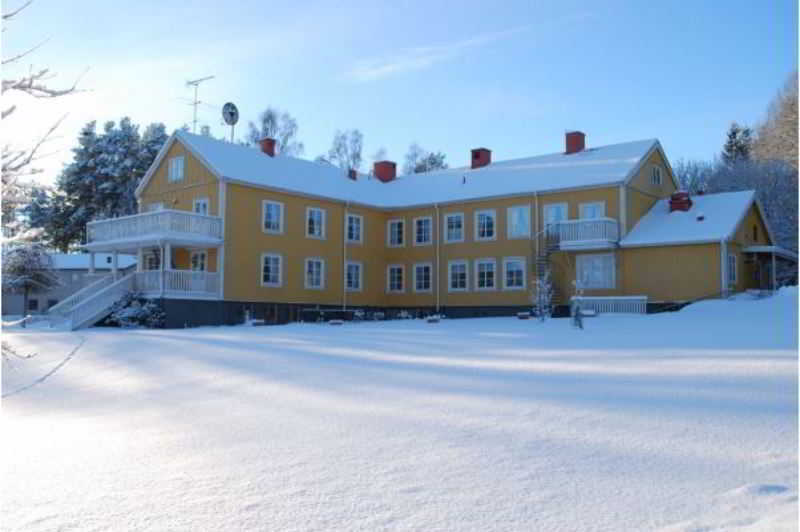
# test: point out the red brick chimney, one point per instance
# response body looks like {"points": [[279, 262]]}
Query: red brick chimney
{"points": [[385, 170], [576, 142], [481, 157], [352, 174], [268, 146], [680, 201]]}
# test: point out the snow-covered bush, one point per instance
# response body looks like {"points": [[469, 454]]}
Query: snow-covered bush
{"points": [[134, 311], [543, 296]]}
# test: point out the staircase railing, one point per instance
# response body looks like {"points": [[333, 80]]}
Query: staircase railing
{"points": [[66, 305], [93, 307]]}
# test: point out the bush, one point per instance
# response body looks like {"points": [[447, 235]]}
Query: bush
{"points": [[133, 311]]}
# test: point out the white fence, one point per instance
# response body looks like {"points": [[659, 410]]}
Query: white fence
{"points": [[177, 283], [613, 304], [95, 307], [566, 231], [154, 223], [65, 306]]}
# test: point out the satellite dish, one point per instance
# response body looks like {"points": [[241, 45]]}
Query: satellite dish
{"points": [[230, 114]]}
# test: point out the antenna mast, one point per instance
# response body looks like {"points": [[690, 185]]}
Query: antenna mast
{"points": [[194, 83]]}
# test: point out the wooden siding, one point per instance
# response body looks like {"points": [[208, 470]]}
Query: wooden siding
{"points": [[642, 194]]}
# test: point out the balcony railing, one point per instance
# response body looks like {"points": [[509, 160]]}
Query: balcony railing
{"points": [[588, 233], [155, 224], [177, 283]]}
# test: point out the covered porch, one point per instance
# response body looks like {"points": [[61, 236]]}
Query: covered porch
{"points": [[770, 267]]}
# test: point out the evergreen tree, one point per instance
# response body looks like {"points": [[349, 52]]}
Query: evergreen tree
{"points": [[737, 145], [27, 268]]}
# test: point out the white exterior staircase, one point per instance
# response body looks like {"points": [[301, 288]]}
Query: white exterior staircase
{"points": [[89, 305]]}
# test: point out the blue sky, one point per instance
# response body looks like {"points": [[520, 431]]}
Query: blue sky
{"points": [[511, 76]]}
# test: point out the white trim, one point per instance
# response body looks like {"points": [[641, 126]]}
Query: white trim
{"points": [[414, 230], [586, 204], [172, 163], [623, 211], [389, 268], [777, 250], [635, 170], [323, 222], [507, 260], [200, 200], [430, 278], [321, 273], [735, 272], [656, 179], [546, 208], [476, 228], [447, 215], [281, 229], [360, 275], [279, 284], [579, 265], [450, 265], [476, 273], [389, 233], [509, 225], [360, 228], [723, 265]]}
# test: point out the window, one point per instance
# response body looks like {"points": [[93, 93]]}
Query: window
{"points": [[157, 206], [755, 233], [731, 268], [353, 276], [655, 175], [596, 271], [315, 222], [422, 277], [354, 225], [594, 209], [395, 278], [457, 276], [271, 266], [485, 224], [200, 206], [514, 273], [175, 170], [272, 215], [422, 231], [33, 304], [315, 273], [153, 261], [198, 261], [485, 274], [396, 230], [554, 213], [518, 221], [454, 227]]}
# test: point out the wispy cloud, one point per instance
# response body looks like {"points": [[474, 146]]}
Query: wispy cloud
{"points": [[422, 57]]}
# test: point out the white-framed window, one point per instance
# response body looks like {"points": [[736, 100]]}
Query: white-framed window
{"points": [[152, 260], [395, 278], [200, 206], [423, 277], [315, 273], [423, 231], [315, 222], [197, 261], [454, 227], [592, 209], [272, 216], [457, 276], [155, 206], [596, 271], [514, 273], [731, 268], [485, 274], [395, 233], [518, 221], [655, 175], [355, 228], [271, 269], [485, 224], [353, 276], [175, 168]]}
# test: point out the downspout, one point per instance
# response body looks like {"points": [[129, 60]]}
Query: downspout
{"points": [[438, 238], [723, 259], [344, 257]]}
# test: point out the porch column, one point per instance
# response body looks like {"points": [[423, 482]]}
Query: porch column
{"points": [[114, 263], [167, 256], [140, 259], [161, 270], [91, 263]]}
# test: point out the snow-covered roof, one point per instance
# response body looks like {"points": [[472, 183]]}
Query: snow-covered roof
{"points": [[598, 166], [721, 214], [80, 261]]}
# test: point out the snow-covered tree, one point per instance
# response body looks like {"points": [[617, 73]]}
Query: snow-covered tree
{"points": [[738, 144], [27, 267], [693, 176], [346, 148], [777, 135], [542, 296], [419, 160], [280, 126]]}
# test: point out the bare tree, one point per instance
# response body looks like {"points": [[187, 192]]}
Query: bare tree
{"points": [[345, 151], [419, 160], [280, 126], [17, 162], [693, 176], [777, 135]]}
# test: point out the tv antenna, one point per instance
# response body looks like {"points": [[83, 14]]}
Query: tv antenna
{"points": [[230, 114], [195, 83]]}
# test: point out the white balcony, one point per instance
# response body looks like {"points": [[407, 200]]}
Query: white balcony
{"points": [[153, 229], [594, 233], [179, 284]]}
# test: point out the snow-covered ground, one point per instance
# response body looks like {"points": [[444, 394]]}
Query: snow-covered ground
{"points": [[680, 421]]}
